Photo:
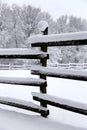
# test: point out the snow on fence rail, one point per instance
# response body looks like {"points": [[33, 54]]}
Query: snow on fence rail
{"points": [[66, 39], [61, 103], [60, 73], [22, 53], [43, 71], [23, 104]]}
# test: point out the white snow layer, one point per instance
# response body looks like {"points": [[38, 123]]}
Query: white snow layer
{"points": [[60, 100], [20, 51], [17, 119], [42, 25], [22, 81], [58, 37], [21, 102], [55, 71]]}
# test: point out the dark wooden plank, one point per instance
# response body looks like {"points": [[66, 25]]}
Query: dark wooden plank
{"points": [[64, 39], [22, 53], [61, 73], [43, 63], [23, 105], [61, 43], [23, 81], [61, 103]]}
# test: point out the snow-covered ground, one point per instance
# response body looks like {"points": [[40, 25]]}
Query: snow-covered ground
{"points": [[17, 119]]}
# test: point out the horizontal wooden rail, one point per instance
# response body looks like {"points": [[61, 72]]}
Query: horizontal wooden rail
{"points": [[61, 43], [61, 103], [23, 81], [44, 41], [66, 39], [60, 73], [23, 104], [22, 53]]}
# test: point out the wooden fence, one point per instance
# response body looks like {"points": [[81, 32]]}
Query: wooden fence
{"points": [[78, 66], [24, 54], [43, 42]]}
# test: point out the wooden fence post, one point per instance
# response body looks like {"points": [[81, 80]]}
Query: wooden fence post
{"points": [[43, 63]]}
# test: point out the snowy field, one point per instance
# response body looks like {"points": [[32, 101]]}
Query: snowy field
{"points": [[17, 119]]}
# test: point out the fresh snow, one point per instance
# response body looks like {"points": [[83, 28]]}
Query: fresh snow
{"points": [[20, 51], [51, 71], [58, 37], [42, 25], [21, 81], [13, 101], [59, 100], [17, 119]]}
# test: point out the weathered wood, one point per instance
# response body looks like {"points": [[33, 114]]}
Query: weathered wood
{"points": [[58, 103], [43, 63], [65, 39], [61, 73], [61, 43], [23, 105], [23, 81], [22, 53]]}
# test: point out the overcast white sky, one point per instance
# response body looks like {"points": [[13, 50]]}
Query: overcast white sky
{"points": [[57, 7]]}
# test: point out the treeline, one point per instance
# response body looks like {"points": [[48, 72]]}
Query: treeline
{"points": [[17, 24]]}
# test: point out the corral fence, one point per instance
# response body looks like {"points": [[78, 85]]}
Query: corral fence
{"points": [[78, 66], [43, 42]]}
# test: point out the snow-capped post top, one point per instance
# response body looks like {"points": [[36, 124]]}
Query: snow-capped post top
{"points": [[43, 26]]}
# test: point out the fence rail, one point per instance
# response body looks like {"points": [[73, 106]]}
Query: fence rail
{"points": [[71, 39], [43, 71], [66, 39], [77, 66], [60, 73], [69, 65], [61, 103]]}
